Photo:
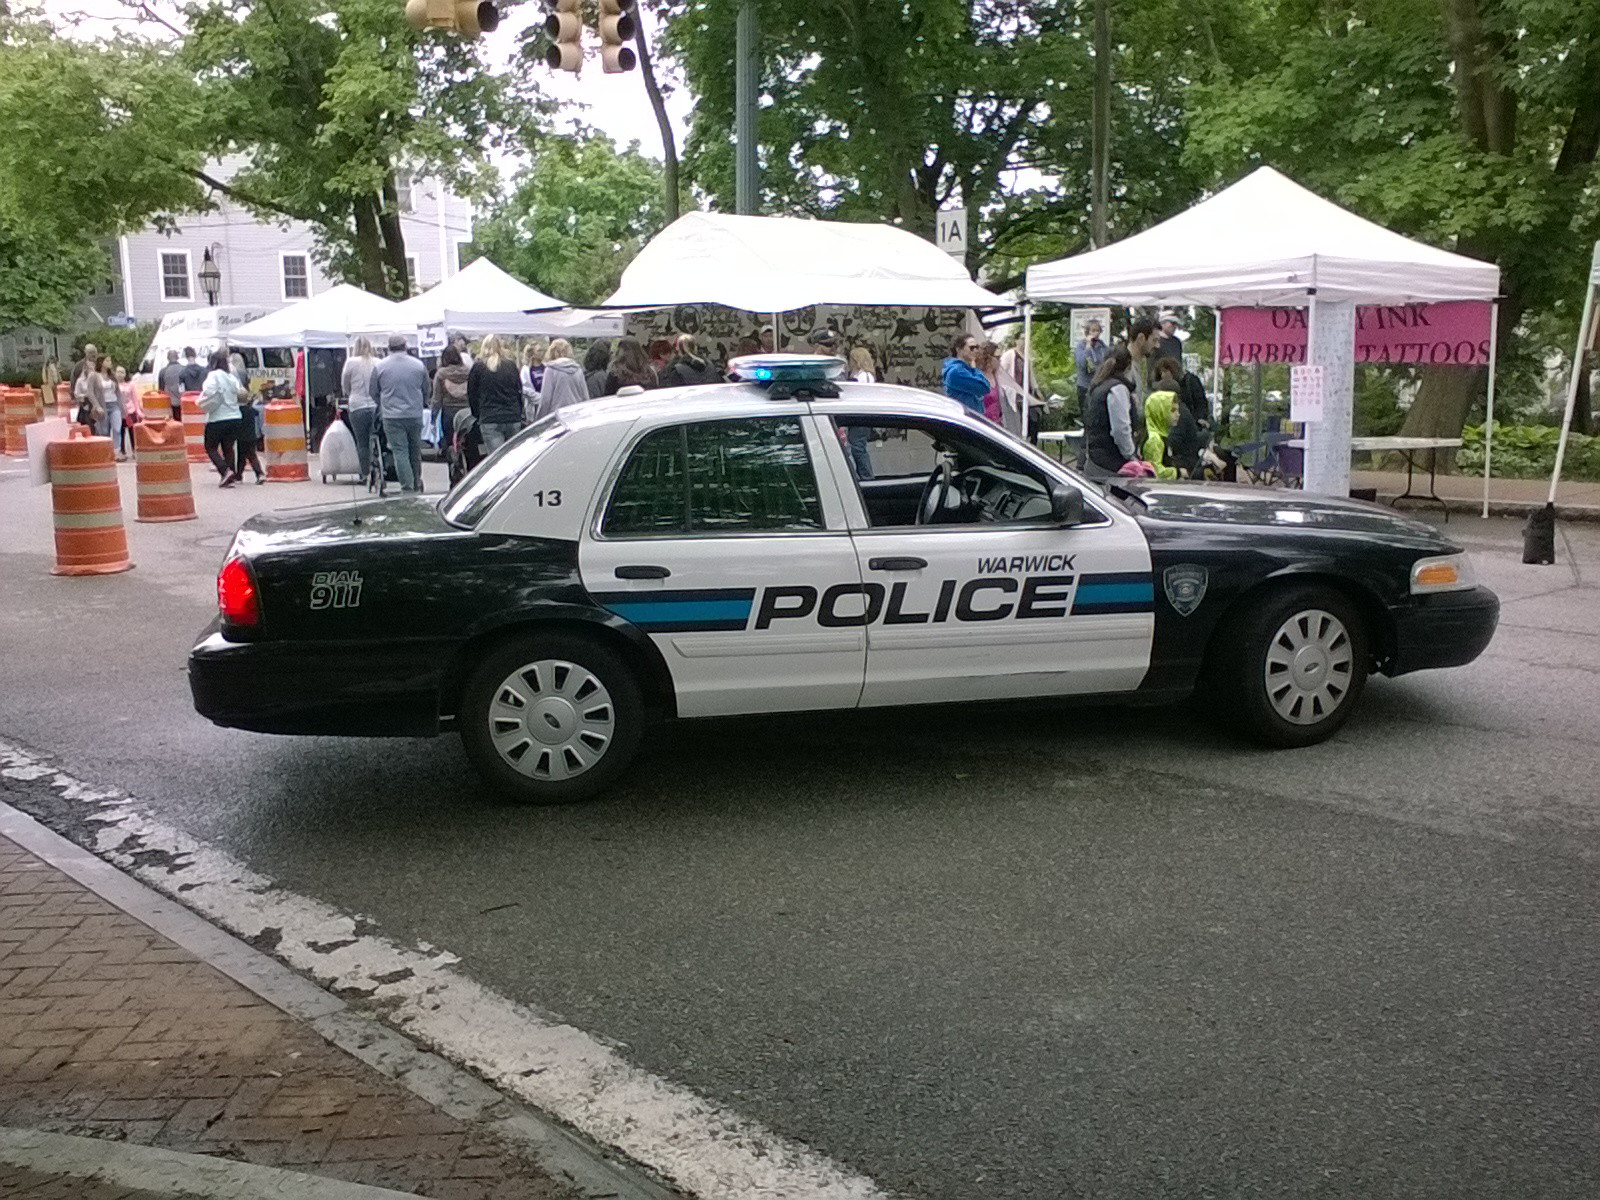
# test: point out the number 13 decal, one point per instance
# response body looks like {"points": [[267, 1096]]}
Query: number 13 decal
{"points": [[550, 499]]}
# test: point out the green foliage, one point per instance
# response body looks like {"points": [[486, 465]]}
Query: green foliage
{"points": [[326, 100], [93, 148], [1364, 102], [1529, 452], [125, 344], [1377, 400], [577, 217], [887, 111]]}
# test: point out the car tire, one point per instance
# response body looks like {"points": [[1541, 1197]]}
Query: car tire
{"points": [[551, 719], [1292, 666]]}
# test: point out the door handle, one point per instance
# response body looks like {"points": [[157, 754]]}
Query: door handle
{"points": [[642, 572], [897, 564]]}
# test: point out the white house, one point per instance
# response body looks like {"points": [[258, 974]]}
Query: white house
{"points": [[262, 264]]}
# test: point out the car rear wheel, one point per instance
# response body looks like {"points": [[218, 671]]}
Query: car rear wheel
{"points": [[1293, 666], [552, 719]]}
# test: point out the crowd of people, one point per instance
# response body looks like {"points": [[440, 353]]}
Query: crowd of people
{"points": [[1143, 412]]}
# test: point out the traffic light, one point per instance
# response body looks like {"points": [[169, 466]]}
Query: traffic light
{"points": [[564, 28], [467, 17], [616, 29]]}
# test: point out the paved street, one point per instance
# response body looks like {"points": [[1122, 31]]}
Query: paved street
{"points": [[1034, 951]]}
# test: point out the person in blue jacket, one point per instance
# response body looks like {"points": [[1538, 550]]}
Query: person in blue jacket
{"points": [[963, 381]]}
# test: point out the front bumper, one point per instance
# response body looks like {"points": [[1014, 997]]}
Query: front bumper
{"points": [[1448, 629], [386, 690]]}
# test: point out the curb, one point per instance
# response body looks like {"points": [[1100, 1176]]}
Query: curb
{"points": [[454, 1091], [170, 1174]]}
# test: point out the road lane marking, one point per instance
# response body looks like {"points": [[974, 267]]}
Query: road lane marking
{"points": [[697, 1144]]}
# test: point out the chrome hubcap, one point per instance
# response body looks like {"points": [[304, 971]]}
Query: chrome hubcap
{"points": [[551, 719], [1310, 663]]}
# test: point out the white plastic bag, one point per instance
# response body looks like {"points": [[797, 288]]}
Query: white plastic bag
{"points": [[39, 435], [337, 453]]}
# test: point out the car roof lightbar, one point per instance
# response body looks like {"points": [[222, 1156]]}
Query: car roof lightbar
{"points": [[789, 375]]}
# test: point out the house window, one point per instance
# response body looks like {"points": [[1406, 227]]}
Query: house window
{"points": [[405, 186], [175, 282], [296, 277], [411, 274]]}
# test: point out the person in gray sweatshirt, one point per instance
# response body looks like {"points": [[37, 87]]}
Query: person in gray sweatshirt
{"points": [[563, 382], [400, 385]]}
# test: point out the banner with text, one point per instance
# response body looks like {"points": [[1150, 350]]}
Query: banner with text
{"points": [[1446, 335]]}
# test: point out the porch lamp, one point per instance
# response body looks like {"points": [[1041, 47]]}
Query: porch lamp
{"points": [[210, 278]]}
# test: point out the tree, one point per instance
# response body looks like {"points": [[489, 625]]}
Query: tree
{"points": [[327, 100], [87, 155], [1469, 123], [578, 215], [890, 111]]}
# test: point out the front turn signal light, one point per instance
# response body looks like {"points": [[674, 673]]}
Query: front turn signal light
{"points": [[1448, 573]]}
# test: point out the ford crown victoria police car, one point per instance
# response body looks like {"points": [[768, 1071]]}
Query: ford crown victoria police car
{"points": [[789, 543]]}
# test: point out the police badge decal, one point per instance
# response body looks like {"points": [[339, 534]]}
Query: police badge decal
{"points": [[1185, 586]]}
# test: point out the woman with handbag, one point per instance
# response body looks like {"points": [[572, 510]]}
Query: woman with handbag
{"points": [[86, 390], [131, 412]]}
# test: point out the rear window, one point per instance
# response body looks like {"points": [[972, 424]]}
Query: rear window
{"points": [[475, 495]]}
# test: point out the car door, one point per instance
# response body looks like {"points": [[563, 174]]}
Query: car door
{"points": [[990, 607], [719, 541]]}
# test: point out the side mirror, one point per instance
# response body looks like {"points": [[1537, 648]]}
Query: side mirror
{"points": [[1066, 504]]}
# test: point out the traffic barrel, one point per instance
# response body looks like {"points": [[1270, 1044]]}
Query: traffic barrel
{"points": [[17, 416], [38, 403], [90, 536], [161, 470], [194, 428], [285, 456], [64, 405]]}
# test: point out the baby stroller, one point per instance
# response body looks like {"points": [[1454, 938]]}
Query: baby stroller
{"points": [[382, 471], [463, 446]]}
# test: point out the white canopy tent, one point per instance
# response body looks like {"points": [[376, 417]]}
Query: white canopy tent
{"points": [[1264, 241], [1267, 241], [776, 264], [481, 298], [327, 321]]}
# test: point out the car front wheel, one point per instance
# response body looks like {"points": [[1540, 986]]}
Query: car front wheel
{"points": [[551, 720], [1294, 666]]}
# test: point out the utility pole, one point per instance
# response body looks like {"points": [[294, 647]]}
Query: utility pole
{"points": [[746, 80], [1099, 201]]}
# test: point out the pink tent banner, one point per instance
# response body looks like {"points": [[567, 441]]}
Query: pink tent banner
{"points": [[1454, 334]]}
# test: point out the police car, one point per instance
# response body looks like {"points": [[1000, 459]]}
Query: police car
{"points": [[788, 542]]}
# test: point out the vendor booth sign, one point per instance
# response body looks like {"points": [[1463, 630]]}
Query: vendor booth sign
{"points": [[1451, 335]]}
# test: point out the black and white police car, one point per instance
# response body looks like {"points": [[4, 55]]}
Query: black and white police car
{"points": [[787, 543]]}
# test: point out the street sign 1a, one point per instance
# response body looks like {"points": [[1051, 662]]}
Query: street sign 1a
{"points": [[950, 231]]}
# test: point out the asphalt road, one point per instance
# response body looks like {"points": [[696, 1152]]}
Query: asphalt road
{"points": [[1038, 951]]}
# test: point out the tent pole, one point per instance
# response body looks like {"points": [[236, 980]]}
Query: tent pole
{"points": [[1572, 386], [1488, 420], [1027, 363], [1216, 364]]}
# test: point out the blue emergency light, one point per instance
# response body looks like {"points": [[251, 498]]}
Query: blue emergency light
{"points": [[785, 368]]}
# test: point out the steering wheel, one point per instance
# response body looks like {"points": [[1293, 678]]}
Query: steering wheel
{"points": [[934, 494]]}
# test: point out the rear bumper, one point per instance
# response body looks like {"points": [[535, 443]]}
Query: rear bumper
{"points": [[1449, 629], [317, 688]]}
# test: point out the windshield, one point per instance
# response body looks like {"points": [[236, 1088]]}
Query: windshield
{"points": [[475, 495]]}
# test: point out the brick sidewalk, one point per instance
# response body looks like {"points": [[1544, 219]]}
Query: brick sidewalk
{"points": [[109, 1030]]}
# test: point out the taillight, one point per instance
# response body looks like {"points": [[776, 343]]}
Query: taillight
{"points": [[236, 594]]}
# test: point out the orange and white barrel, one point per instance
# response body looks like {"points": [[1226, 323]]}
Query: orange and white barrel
{"points": [[38, 403], [284, 454], [155, 405], [64, 405], [161, 470], [194, 428], [90, 536], [17, 416]]}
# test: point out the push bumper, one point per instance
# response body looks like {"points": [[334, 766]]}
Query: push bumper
{"points": [[315, 688], [1448, 629]]}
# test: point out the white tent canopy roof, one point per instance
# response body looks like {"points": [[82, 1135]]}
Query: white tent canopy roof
{"points": [[1264, 241], [328, 320], [775, 264], [481, 298]]}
